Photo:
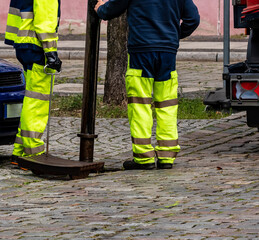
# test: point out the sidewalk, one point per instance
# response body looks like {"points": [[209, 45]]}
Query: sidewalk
{"points": [[189, 50], [195, 77], [193, 53]]}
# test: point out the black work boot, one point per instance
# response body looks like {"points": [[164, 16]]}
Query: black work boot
{"points": [[131, 165], [15, 158], [164, 165]]}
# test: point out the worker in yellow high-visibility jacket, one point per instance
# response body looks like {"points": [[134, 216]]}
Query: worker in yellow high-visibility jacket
{"points": [[32, 30], [155, 29]]}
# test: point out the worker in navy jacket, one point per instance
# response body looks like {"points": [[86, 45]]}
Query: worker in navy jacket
{"points": [[155, 28]]}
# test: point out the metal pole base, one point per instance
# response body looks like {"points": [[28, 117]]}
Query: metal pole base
{"points": [[51, 165], [87, 147]]}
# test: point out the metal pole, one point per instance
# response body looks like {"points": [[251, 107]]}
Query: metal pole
{"points": [[226, 49], [87, 134]]}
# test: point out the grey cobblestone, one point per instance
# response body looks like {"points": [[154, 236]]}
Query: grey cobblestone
{"points": [[193, 75], [212, 192]]}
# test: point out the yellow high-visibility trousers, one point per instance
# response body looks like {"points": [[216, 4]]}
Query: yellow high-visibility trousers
{"points": [[35, 110], [139, 88]]}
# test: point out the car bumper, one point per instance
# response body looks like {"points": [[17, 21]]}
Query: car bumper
{"points": [[9, 123]]}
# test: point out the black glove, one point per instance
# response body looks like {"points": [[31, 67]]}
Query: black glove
{"points": [[53, 61]]}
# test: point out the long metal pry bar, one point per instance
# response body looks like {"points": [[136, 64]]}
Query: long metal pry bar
{"points": [[50, 99]]}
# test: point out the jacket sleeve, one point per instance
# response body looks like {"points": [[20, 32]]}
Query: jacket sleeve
{"points": [[45, 23], [190, 19], [112, 9]]}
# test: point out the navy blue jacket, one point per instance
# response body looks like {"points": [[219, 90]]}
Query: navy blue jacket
{"points": [[154, 25]]}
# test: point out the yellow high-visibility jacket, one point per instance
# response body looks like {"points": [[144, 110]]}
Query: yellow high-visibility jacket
{"points": [[33, 24]]}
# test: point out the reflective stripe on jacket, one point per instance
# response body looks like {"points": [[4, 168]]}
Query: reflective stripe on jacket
{"points": [[33, 24]]}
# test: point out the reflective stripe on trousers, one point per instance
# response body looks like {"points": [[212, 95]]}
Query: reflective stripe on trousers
{"points": [[139, 92], [34, 115]]}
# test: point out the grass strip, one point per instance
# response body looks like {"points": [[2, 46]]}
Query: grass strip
{"points": [[70, 106]]}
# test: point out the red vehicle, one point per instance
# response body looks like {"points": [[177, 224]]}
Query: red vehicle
{"points": [[241, 80]]}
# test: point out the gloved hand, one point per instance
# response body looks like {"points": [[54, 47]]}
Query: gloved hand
{"points": [[53, 61]]}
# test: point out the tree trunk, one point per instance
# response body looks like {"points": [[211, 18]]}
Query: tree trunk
{"points": [[114, 88]]}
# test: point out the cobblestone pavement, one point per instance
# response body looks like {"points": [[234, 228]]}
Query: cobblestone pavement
{"points": [[193, 75], [190, 73], [211, 193]]}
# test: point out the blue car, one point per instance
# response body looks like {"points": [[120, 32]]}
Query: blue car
{"points": [[12, 90]]}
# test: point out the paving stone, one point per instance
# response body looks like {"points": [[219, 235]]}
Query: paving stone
{"points": [[211, 193]]}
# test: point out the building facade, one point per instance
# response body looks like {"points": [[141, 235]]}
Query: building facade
{"points": [[73, 17]]}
